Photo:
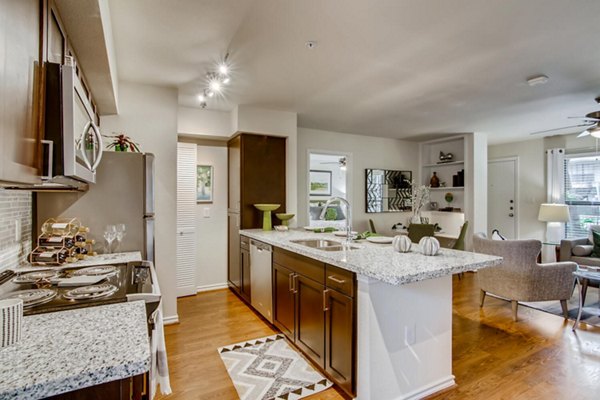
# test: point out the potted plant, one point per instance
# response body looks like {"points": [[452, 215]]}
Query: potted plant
{"points": [[122, 142]]}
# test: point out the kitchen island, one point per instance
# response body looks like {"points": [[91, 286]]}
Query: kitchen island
{"points": [[403, 311], [69, 350]]}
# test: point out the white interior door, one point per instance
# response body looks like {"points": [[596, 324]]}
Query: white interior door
{"points": [[502, 197], [186, 219]]}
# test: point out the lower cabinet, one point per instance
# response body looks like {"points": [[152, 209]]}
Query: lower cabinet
{"points": [[310, 321], [239, 268], [339, 338], [132, 388], [317, 313], [284, 303], [245, 272]]}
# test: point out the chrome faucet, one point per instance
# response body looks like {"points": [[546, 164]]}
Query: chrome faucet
{"points": [[348, 215]]}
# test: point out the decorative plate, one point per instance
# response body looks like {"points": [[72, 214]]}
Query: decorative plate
{"points": [[380, 239]]}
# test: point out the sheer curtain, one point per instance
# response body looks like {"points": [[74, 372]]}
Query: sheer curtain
{"points": [[555, 177], [555, 183]]}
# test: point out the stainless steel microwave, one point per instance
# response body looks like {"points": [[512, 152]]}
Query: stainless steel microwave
{"points": [[72, 142]]}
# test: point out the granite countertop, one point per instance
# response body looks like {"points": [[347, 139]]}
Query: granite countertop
{"points": [[100, 259], [69, 350], [379, 261]]}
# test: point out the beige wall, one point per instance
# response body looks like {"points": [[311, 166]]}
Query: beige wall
{"points": [[532, 174], [149, 115], [366, 152], [531, 185], [211, 231]]}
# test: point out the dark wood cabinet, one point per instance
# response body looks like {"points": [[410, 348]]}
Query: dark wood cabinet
{"points": [[310, 318], [256, 175], [284, 301], [313, 305], [245, 268], [21, 88], [234, 272], [339, 338], [132, 388]]}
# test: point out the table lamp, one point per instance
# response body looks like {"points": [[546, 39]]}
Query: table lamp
{"points": [[554, 215]]}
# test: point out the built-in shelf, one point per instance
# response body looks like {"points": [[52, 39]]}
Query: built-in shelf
{"points": [[443, 164], [448, 188]]}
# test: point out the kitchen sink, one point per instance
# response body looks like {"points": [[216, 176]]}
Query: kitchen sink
{"points": [[323, 244], [317, 243]]}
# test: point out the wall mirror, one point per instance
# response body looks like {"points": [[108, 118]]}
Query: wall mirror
{"points": [[328, 176], [388, 190]]}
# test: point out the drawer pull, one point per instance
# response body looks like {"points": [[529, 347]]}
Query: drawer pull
{"points": [[336, 280], [325, 303]]}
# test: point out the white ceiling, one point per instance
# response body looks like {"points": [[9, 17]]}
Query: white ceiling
{"points": [[394, 68]]}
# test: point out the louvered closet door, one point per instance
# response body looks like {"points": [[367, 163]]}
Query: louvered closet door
{"points": [[186, 219]]}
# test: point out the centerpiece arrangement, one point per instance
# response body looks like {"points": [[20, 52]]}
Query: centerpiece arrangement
{"points": [[420, 197]]}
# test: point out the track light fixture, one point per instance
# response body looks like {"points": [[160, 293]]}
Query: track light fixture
{"points": [[215, 81]]}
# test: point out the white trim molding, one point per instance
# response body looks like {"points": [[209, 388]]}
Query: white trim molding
{"points": [[210, 288], [171, 319]]}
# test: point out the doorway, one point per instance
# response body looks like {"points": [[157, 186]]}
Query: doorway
{"points": [[328, 176], [503, 197]]}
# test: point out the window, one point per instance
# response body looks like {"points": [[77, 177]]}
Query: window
{"points": [[582, 193]]}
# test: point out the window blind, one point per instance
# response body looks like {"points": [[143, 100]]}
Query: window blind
{"points": [[582, 193]]}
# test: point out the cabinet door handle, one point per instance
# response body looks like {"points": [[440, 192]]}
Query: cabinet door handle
{"points": [[291, 282], [325, 302], [295, 280], [336, 280]]}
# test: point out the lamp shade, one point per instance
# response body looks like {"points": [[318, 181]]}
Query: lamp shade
{"points": [[554, 213]]}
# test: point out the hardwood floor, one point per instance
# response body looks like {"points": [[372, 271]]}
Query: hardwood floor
{"points": [[493, 357]]}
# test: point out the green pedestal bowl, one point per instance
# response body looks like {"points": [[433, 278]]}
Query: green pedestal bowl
{"points": [[266, 209], [285, 217]]}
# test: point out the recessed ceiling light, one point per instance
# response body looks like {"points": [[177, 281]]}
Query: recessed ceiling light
{"points": [[537, 80], [223, 69], [311, 44], [215, 85]]}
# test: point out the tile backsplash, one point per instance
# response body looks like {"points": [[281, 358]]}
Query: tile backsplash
{"points": [[14, 206]]}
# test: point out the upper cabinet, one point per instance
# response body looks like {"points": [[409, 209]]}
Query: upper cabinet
{"points": [[20, 91], [37, 34]]}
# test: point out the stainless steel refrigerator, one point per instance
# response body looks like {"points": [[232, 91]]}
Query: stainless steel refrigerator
{"points": [[123, 194]]}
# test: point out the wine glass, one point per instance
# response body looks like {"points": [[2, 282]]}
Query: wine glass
{"points": [[110, 233], [121, 230]]}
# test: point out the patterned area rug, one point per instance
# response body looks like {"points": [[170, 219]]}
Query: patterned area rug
{"points": [[268, 368], [591, 308]]}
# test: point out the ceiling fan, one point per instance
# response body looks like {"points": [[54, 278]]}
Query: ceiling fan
{"points": [[342, 162], [590, 125]]}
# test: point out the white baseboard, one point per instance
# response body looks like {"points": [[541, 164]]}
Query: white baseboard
{"points": [[208, 288], [171, 319], [430, 389]]}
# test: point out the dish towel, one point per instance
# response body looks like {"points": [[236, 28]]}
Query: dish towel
{"points": [[159, 370]]}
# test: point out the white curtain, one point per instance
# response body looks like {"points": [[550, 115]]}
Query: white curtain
{"points": [[555, 182]]}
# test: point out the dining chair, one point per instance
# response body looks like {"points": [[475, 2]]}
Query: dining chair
{"points": [[417, 231], [372, 226], [460, 241]]}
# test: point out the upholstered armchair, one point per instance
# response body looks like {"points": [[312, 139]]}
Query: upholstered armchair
{"points": [[520, 277]]}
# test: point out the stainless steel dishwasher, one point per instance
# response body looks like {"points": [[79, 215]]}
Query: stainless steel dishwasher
{"points": [[260, 278]]}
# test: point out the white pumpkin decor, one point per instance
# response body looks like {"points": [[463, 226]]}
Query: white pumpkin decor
{"points": [[429, 245], [401, 243]]}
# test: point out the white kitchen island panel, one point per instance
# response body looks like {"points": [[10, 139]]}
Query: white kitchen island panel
{"points": [[389, 367]]}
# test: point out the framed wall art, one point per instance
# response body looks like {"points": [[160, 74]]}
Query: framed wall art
{"points": [[320, 183], [204, 184]]}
